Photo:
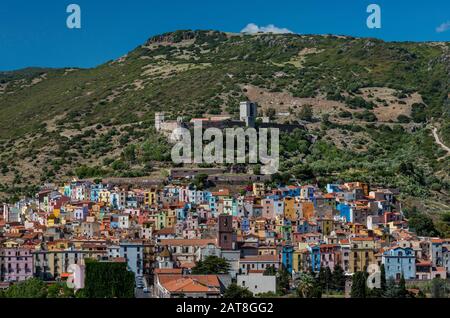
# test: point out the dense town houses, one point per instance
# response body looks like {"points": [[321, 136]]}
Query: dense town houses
{"points": [[163, 232]]}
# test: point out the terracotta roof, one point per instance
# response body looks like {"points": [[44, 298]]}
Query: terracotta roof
{"points": [[221, 192], [260, 258], [168, 271], [423, 263], [361, 239], [190, 283], [165, 231], [188, 242], [188, 265]]}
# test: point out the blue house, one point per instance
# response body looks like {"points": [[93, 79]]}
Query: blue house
{"points": [[399, 261], [304, 226], [95, 189], [182, 212], [344, 211], [287, 257], [245, 224], [333, 188], [213, 204], [314, 253], [114, 223], [114, 201]]}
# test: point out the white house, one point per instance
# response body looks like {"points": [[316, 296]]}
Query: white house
{"points": [[257, 283]]}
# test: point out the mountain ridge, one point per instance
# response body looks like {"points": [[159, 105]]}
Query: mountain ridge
{"points": [[370, 101]]}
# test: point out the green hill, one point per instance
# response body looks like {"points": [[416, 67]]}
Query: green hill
{"points": [[373, 106]]}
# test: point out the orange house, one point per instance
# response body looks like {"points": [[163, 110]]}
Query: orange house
{"points": [[308, 210]]}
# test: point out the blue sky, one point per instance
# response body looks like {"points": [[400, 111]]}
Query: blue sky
{"points": [[34, 32]]}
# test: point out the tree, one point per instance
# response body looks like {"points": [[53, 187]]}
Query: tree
{"points": [[338, 278], [211, 265], [235, 291], [423, 225], [324, 278], [270, 271], [201, 181], [308, 286], [358, 285], [383, 278], [306, 113], [439, 288], [60, 290], [129, 154], [31, 288], [392, 290], [328, 276], [283, 278], [108, 280], [270, 112], [402, 291]]}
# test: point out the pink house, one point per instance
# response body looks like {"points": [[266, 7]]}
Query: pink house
{"points": [[328, 255], [16, 264], [267, 208]]}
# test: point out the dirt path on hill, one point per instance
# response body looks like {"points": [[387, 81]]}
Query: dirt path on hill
{"points": [[440, 143]]}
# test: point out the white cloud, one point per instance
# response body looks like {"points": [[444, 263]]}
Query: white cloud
{"points": [[252, 28], [443, 27]]}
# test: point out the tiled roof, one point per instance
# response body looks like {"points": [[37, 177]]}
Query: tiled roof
{"points": [[188, 242], [190, 283], [260, 258]]}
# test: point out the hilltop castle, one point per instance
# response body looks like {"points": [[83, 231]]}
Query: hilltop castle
{"points": [[248, 113]]}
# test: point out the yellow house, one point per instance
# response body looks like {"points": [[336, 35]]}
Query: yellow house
{"points": [[11, 244], [258, 189], [58, 245], [159, 220], [56, 212], [103, 196], [362, 253], [51, 220], [171, 218], [260, 228], [356, 228], [300, 258], [289, 209], [150, 197], [326, 225]]}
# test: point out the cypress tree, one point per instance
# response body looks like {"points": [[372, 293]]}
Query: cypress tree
{"points": [[383, 278], [358, 285], [338, 278], [402, 291]]}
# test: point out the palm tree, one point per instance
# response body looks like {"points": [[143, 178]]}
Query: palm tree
{"points": [[305, 285]]}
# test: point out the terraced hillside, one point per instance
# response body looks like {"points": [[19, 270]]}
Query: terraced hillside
{"points": [[372, 106]]}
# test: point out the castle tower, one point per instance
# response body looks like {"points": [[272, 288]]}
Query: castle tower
{"points": [[5, 213], [226, 233], [248, 113], [159, 120]]}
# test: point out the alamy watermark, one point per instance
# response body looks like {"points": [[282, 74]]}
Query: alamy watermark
{"points": [[228, 146], [374, 277], [374, 19], [74, 19]]}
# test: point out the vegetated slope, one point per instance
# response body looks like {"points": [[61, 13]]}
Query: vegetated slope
{"points": [[369, 103]]}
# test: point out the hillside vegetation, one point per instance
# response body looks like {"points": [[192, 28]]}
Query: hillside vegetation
{"points": [[371, 105]]}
